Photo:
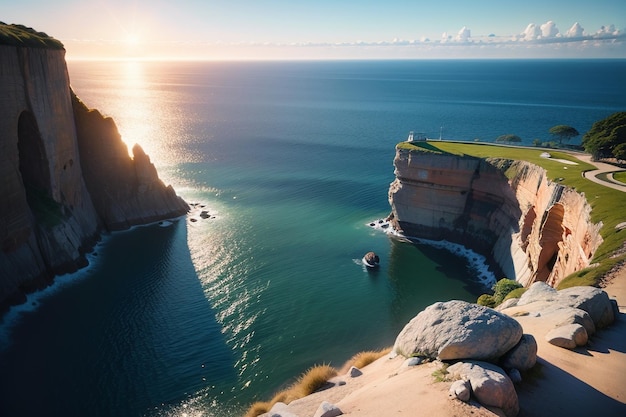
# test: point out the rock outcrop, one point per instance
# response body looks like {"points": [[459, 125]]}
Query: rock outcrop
{"points": [[458, 330], [124, 191], [489, 384], [572, 314], [53, 203], [533, 228], [490, 346]]}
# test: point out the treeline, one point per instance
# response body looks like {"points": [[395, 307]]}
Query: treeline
{"points": [[605, 140]]}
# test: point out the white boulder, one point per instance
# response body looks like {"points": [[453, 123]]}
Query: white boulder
{"points": [[458, 330]]}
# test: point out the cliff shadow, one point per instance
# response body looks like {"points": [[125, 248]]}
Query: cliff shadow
{"points": [[553, 391], [611, 338], [134, 332], [421, 274]]}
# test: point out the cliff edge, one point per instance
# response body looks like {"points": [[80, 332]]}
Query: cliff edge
{"points": [[66, 172], [534, 229]]}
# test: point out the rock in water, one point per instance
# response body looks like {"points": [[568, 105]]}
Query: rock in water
{"points": [[458, 330], [371, 260]]}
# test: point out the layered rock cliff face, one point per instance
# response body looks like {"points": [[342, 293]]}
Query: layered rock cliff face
{"points": [[65, 173], [534, 229]]}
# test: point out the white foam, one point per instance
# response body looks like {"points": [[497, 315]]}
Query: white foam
{"points": [[476, 263]]}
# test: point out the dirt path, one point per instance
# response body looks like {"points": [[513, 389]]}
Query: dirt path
{"points": [[601, 168]]}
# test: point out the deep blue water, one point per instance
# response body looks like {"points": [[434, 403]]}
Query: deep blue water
{"points": [[292, 159]]}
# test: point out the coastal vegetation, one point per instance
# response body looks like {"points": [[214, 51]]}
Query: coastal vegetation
{"points": [[501, 290], [607, 137], [563, 133], [509, 138], [603, 200], [20, 35], [314, 379]]}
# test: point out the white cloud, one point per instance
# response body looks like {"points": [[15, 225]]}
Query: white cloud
{"points": [[531, 32], [464, 35], [536, 40], [576, 31], [608, 31], [549, 30]]}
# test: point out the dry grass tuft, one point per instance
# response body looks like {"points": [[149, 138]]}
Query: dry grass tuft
{"points": [[362, 359], [314, 379], [309, 382], [258, 408]]}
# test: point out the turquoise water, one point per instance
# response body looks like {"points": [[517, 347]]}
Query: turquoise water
{"points": [[292, 160]]}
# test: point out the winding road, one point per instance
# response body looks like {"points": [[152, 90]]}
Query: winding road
{"points": [[601, 168]]}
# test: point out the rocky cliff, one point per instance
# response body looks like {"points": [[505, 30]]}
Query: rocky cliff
{"points": [[66, 173], [532, 228]]}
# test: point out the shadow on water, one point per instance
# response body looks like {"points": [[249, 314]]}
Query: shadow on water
{"points": [[135, 334], [420, 275]]}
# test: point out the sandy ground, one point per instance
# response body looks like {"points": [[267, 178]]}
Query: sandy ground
{"points": [[589, 381]]}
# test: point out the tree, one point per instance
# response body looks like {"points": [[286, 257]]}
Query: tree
{"points": [[563, 132], [509, 138], [605, 136], [620, 152]]}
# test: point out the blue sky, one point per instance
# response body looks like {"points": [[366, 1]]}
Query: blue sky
{"points": [[274, 29]]}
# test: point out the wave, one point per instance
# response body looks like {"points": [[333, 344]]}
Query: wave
{"points": [[476, 263]]}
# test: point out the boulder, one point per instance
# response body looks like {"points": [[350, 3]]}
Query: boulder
{"points": [[458, 330], [568, 336], [280, 410], [592, 300], [522, 356], [354, 372], [511, 302], [460, 390], [515, 375], [412, 361], [327, 409], [490, 385], [539, 291], [569, 315]]}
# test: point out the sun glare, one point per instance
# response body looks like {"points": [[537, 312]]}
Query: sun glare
{"points": [[132, 40]]}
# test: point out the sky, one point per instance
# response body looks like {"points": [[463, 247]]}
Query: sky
{"points": [[327, 29]]}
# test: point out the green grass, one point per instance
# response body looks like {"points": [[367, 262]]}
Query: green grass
{"points": [[607, 204], [20, 35], [620, 176]]}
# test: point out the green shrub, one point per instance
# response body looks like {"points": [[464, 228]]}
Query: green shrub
{"points": [[516, 293], [486, 300], [503, 288]]}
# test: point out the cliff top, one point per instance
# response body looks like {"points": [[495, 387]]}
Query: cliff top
{"points": [[568, 169], [20, 35]]}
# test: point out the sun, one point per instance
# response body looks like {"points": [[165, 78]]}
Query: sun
{"points": [[132, 45], [132, 40]]}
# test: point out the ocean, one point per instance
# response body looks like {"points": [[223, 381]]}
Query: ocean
{"points": [[291, 161]]}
